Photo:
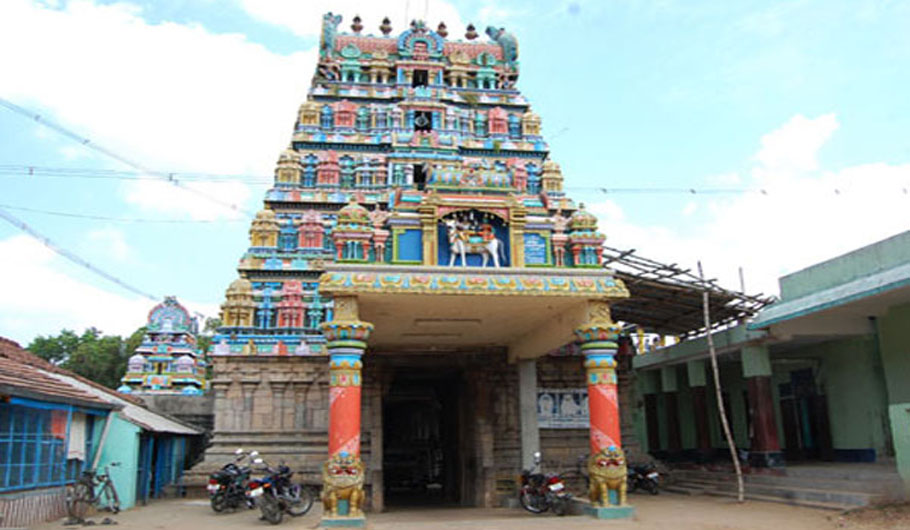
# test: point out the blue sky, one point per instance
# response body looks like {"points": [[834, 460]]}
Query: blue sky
{"points": [[795, 98]]}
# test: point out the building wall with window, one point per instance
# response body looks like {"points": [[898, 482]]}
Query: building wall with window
{"points": [[43, 446]]}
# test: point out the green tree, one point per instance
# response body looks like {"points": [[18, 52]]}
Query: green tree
{"points": [[100, 358], [56, 349], [204, 340]]}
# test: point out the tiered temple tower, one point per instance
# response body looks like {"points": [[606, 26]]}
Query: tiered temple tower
{"points": [[167, 361], [413, 156]]}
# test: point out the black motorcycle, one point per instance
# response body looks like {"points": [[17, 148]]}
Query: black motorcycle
{"points": [[644, 476], [227, 486], [539, 492], [276, 495]]}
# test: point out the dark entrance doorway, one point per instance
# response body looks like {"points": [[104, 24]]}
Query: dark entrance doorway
{"points": [[804, 415], [420, 439]]}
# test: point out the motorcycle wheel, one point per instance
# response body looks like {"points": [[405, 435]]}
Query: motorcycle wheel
{"points": [[532, 501], [218, 502], [651, 486], [560, 505], [631, 485], [271, 512], [300, 500]]}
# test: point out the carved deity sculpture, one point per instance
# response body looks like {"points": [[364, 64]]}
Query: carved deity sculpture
{"points": [[342, 477], [329, 31], [607, 470], [461, 243], [560, 223], [507, 42]]}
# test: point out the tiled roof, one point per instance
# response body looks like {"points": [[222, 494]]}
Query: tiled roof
{"points": [[138, 415], [26, 375]]}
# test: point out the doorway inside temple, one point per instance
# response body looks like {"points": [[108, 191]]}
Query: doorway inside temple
{"points": [[420, 439]]}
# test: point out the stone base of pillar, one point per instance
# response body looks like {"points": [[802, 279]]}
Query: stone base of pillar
{"points": [[343, 522], [768, 459], [610, 512]]}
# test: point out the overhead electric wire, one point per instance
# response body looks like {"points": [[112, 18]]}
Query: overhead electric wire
{"points": [[91, 173], [118, 219], [22, 225], [167, 177]]}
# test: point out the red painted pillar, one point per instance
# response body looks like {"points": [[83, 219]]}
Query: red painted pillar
{"points": [[702, 432], [598, 336], [765, 447], [346, 338], [698, 382]]}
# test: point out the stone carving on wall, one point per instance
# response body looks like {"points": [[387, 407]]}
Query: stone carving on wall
{"points": [[564, 408]]}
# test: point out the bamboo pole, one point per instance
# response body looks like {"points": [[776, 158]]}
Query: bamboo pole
{"points": [[720, 399]]}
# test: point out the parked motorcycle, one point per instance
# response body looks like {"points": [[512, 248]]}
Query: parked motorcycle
{"points": [[227, 487], [276, 495], [541, 492], [644, 476]]}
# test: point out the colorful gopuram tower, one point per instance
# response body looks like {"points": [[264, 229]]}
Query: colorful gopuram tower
{"points": [[167, 361], [414, 162]]}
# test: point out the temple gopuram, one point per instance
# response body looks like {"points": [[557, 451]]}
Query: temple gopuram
{"points": [[167, 361], [421, 306]]}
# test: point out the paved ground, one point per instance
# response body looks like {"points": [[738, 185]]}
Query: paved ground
{"points": [[666, 511]]}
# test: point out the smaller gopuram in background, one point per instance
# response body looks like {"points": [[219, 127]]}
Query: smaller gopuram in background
{"points": [[167, 361]]}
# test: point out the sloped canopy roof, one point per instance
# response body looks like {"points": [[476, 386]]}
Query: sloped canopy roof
{"points": [[667, 299], [140, 416]]}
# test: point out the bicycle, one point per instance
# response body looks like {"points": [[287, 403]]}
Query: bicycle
{"points": [[83, 494]]}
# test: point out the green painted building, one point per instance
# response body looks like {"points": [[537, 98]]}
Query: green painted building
{"points": [[821, 375]]}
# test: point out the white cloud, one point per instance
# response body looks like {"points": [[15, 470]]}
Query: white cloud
{"points": [[55, 300], [807, 215], [154, 195], [795, 145], [177, 95], [113, 240], [305, 18]]}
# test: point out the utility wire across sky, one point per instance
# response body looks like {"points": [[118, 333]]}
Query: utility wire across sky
{"points": [[91, 173], [22, 225], [119, 219], [167, 177]]}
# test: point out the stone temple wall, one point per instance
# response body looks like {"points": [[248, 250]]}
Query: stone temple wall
{"points": [[278, 405], [195, 410]]}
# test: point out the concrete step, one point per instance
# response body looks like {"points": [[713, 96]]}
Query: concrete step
{"points": [[697, 490], [878, 485], [845, 498]]}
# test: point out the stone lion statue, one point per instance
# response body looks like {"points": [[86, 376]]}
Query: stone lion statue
{"points": [[342, 477], [607, 470]]}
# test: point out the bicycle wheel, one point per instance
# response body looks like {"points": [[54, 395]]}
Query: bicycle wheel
{"points": [[111, 500], [78, 500], [300, 500]]}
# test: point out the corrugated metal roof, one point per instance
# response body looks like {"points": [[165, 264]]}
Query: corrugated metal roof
{"points": [[141, 416]]}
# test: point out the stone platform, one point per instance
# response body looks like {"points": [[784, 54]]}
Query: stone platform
{"points": [[343, 522], [610, 512]]}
